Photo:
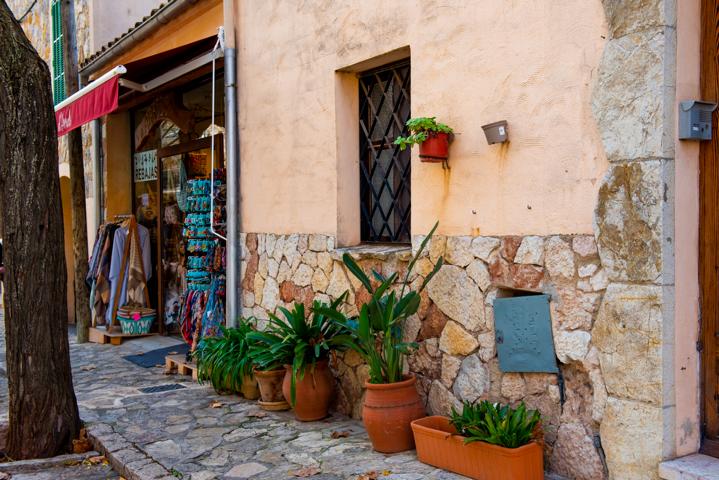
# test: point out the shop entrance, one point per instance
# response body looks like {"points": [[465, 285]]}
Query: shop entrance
{"points": [[709, 234]]}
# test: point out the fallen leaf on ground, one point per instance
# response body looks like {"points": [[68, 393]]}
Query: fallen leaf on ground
{"points": [[368, 476], [305, 472], [342, 434], [87, 368], [216, 404], [96, 460], [172, 353]]}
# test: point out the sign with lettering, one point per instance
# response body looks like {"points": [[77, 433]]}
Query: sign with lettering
{"points": [[145, 166], [523, 330]]}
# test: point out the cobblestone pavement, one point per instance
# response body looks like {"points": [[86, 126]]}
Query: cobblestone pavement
{"points": [[192, 433]]}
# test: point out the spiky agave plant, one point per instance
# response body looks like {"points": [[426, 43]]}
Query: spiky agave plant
{"points": [[376, 335]]}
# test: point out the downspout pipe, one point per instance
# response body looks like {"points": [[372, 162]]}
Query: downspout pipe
{"points": [[234, 251]]}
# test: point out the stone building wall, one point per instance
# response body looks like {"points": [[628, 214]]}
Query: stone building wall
{"points": [[454, 327]]}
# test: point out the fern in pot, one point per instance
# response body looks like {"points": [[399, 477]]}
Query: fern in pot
{"points": [[225, 361]]}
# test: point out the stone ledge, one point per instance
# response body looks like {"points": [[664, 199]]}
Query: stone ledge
{"points": [[23, 466], [377, 252], [691, 467]]}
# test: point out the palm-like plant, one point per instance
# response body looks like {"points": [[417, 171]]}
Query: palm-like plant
{"points": [[224, 360], [298, 341], [493, 423], [376, 335]]}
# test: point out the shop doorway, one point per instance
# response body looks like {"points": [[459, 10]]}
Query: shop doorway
{"points": [[709, 234]]}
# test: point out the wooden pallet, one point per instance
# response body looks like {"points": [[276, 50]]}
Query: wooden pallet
{"points": [[179, 364], [100, 335]]}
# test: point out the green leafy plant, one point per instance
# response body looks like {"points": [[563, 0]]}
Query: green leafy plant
{"points": [[298, 341], [224, 360], [419, 128], [376, 335], [496, 424]]}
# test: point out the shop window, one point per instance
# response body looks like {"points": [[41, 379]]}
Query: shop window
{"points": [[385, 171], [58, 59]]}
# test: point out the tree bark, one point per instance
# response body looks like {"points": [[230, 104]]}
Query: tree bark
{"points": [[43, 414], [77, 181]]}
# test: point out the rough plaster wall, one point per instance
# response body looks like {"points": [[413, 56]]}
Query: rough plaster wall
{"points": [[633, 103], [532, 63]]}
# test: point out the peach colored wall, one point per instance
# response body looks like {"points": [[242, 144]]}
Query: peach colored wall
{"points": [[687, 239], [532, 63]]}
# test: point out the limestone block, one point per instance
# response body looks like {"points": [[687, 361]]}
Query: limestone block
{"points": [[258, 286], [270, 294], [290, 250], [270, 241], [440, 400], [478, 272], [450, 368], [628, 99], [279, 250], [263, 267], [310, 258], [425, 360], [317, 243], [473, 379], [457, 341], [559, 259], [433, 322], [458, 296], [587, 270], [487, 346], [572, 345], [302, 276], [628, 335], [584, 246], [513, 386], [574, 454], [482, 247], [319, 281], [630, 16], [272, 268], [631, 435], [284, 273], [531, 251], [458, 251], [509, 247], [572, 309], [411, 328], [437, 247], [628, 221], [339, 283], [324, 260]]}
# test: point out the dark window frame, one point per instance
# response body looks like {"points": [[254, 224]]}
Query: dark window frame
{"points": [[385, 181]]}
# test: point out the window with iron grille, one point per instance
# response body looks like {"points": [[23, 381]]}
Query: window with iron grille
{"points": [[58, 60], [384, 108]]}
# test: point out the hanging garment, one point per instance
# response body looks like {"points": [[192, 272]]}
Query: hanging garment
{"points": [[133, 273], [101, 299], [95, 257]]}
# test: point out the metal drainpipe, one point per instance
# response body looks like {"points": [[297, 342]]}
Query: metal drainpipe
{"points": [[234, 253]]}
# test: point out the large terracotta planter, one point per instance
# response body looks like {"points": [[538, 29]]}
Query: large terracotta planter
{"points": [[435, 148], [249, 388], [270, 383], [312, 393], [439, 445], [387, 413]]}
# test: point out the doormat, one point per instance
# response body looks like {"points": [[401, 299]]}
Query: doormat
{"points": [[155, 358]]}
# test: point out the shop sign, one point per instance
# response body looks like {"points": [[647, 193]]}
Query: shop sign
{"points": [[146, 166]]}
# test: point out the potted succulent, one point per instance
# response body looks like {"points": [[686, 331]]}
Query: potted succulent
{"points": [[224, 361], [433, 138], [308, 383], [391, 400], [485, 441]]}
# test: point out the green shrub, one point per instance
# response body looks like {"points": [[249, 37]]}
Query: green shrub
{"points": [[224, 360], [496, 424]]}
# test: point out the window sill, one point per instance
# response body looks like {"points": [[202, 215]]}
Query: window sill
{"points": [[368, 251]]}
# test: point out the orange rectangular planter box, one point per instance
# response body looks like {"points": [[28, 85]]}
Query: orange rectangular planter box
{"points": [[439, 445]]}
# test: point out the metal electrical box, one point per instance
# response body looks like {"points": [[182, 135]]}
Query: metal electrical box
{"points": [[695, 120], [523, 330]]}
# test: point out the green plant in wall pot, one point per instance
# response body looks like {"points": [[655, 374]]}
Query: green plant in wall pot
{"points": [[432, 137], [391, 402], [225, 362], [484, 441]]}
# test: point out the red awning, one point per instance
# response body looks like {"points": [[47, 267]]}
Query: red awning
{"points": [[93, 101]]}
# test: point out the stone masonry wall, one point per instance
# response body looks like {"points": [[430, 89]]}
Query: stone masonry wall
{"points": [[454, 327]]}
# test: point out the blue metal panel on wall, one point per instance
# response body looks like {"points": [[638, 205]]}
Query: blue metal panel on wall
{"points": [[523, 331]]}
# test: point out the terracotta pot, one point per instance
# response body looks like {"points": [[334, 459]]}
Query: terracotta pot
{"points": [[312, 393], [270, 382], [436, 148], [388, 411], [249, 388], [439, 445]]}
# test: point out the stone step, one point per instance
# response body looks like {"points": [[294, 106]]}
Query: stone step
{"points": [[691, 467]]}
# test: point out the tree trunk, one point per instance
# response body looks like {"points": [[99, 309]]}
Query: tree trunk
{"points": [[77, 180], [43, 411]]}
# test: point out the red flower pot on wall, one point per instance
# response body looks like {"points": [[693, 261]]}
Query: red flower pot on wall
{"points": [[436, 148]]}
